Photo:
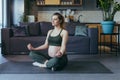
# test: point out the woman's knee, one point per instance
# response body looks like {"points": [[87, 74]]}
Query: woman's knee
{"points": [[56, 63], [52, 62], [32, 54]]}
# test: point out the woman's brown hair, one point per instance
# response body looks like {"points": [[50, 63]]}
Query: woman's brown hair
{"points": [[61, 18]]}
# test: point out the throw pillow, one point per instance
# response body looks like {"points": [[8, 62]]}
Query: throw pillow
{"points": [[81, 31], [34, 29], [70, 27], [45, 27], [19, 31]]}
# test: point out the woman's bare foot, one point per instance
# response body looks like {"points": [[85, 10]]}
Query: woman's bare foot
{"points": [[38, 64]]}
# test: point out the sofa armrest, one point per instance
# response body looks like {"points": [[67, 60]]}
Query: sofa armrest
{"points": [[93, 34], [6, 33]]}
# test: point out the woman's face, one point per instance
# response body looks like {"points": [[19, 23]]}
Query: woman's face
{"points": [[55, 20]]}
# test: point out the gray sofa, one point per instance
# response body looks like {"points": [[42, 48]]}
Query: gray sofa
{"points": [[14, 40]]}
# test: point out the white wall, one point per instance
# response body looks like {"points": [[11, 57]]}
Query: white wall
{"points": [[87, 16], [45, 15], [90, 16]]}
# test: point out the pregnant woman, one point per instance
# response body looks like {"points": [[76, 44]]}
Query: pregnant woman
{"points": [[55, 42]]}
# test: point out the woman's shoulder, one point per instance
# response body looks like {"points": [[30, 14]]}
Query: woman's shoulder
{"points": [[64, 31], [50, 30]]}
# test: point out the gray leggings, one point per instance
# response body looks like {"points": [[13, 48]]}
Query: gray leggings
{"points": [[55, 62]]}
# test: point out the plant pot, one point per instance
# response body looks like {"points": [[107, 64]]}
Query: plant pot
{"points": [[31, 18], [107, 27]]}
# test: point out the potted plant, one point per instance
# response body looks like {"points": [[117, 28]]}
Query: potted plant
{"points": [[23, 18], [28, 10], [109, 9]]}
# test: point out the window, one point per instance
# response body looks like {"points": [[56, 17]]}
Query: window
{"points": [[0, 18], [0, 13]]}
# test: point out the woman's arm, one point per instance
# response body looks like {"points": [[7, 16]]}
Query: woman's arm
{"points": [[64, 35], [44, 46]]}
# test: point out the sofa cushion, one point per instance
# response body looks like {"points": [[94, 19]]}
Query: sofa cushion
{"points": [[19, 31], [23, 24], [70, 27], [45, 27], [78, 44], [81, 31], [34, 29], [22, 42]]}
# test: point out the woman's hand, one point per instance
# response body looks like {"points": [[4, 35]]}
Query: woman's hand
{"points": [[30, 47], [58, 54]]}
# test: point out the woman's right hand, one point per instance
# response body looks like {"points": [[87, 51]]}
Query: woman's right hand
{"points": [[30, 47]]}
